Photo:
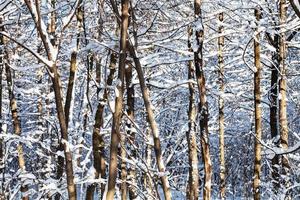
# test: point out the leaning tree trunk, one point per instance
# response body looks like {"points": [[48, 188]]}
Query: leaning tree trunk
{"points": [[117, 116], [193, 183], [296, 6], [151, 121], [221, 107], [203, 105], [258, 121]]}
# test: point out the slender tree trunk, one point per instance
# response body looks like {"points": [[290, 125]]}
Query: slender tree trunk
{"points": [[148, 183], [274, 111], [70, 87], [193, 184], [64, 133], [117, 116], [123, 185], [17, 126], [283, 121], [258, 121], [2, 174], [221, 108], [130, 112], [98, 140], [203, 105], [152, 122], [14, 111]]}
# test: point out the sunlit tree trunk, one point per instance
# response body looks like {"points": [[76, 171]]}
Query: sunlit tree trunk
{"points": [[152, 123], [193, 184], [258, 120], [283, 121], [203, 105], [117, 116], [221, 107]]}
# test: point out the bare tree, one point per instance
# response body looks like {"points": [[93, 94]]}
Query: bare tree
{"points": [[258, 120], [203, 105], [117, 116], [193, 184], [221, 106]]}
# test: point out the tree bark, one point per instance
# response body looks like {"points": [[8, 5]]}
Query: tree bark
{"points": [[203, 105], [117, 115], [258, 120], [221, 107], [193, 184]]}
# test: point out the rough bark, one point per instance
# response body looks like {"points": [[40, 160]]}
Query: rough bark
{"points": [[203, 105], [193, 184], [258, 120], [221, 108], [117, 115]]}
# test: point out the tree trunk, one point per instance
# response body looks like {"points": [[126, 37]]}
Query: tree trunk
{"points": [[2, 193], [152, 122], [16, 125], [148, 182], [117, 116], [258, 121], [70, 87], [130, 112], [98, 140], [193, 184], [64, 133], [221, 108], [283, 121], [14, 111], [123, 185], [274, 111], [203, 105]]}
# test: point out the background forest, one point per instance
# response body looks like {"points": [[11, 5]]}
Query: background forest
{"points": [[141, 99]]}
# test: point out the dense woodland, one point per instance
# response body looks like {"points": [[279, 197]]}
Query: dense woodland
{"points": [[141, 99]]}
